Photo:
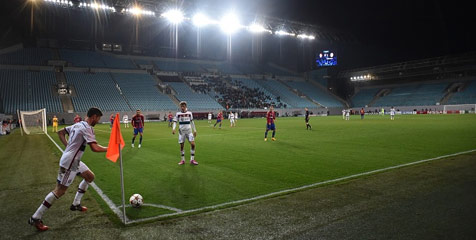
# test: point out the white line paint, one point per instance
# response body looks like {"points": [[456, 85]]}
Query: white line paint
{"points": [[232, 203], [157, 206], [177, 211]]}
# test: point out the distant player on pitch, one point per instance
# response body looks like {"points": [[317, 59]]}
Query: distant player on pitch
{"points": [[170, 117], [270, 118], [209, 118], [392, 113], [125, 119], [231, 116], [138, 125], [219, 119], [55, 124], [308, 126], [187, 131], [80, 135]]}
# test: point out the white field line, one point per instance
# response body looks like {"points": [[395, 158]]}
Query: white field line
{"points": [[237, 202], [117, 211]]}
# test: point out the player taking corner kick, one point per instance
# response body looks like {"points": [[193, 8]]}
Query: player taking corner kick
{"points": [[80, 135]]}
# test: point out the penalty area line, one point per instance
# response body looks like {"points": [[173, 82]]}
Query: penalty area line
{"points": [[305, 187]]}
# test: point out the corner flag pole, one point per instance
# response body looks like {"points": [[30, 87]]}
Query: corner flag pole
{"points": [[122, 186]]}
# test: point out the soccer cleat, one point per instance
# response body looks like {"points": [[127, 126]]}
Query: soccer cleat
{"points": [[274, 139], [182, 162], [139, 145], [265, 139], [38, 224], [78, 208], [133, 145], [193, 162]]}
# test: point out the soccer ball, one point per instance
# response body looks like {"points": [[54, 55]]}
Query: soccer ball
{"points": [[136, 200]]}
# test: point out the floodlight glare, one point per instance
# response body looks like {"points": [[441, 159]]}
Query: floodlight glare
{"points": [[200, 20], [230, 23], [174, 16], [257, 28]]}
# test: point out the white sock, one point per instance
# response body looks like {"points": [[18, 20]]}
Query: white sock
{"points": [[49, 199], [192, 154], [83, 186], [183, 155]]}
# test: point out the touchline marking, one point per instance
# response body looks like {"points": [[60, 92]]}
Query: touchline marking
{"points": [[238, 202], [177, 211]]}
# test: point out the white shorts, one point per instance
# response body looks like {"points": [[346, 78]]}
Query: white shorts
{"points": [[187, 135], [232, 120], [66, 177]]}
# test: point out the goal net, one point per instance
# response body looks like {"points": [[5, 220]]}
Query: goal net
{"points": [[459, 108], [33, 122]]}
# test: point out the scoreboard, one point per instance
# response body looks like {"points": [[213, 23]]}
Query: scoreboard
{"points": [[326, 58]]}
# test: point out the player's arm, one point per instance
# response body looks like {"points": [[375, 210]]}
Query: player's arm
{"points": [[97, 148], [62, 136], [174, 124], [192, 124]]}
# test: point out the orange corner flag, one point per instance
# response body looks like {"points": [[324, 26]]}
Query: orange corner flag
{"points": [[114, 141]]}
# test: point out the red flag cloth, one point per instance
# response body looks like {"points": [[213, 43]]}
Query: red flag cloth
{"points": [[114, 140]]}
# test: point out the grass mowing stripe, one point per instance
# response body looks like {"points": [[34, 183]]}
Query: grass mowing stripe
{"points": [[283, 192]]}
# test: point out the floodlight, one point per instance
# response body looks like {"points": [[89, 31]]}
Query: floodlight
{"points": [[230, 23], [257, 28], [284, 33], [200, 20], [174, 16]]}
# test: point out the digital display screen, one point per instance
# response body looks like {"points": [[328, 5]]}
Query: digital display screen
{"points": [[326, 58]]}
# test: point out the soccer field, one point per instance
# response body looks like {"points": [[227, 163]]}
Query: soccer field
{"points": [[236, 164]]}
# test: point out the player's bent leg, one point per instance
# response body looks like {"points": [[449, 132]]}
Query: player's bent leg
{"points": [[88, 177]]}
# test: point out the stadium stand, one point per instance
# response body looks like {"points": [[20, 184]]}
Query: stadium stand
{"points": [[96, 89], [142, 93], [223, 68], [120, 63], [27, 90], [282, 91], [195, 100], [178, 66], [250, 83], [467, 95], [27, 56], [80, 58], [315, 93], [364, 96], [413, 95]]}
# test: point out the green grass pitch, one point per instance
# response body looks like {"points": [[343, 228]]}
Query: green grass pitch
{"points": [[235, 163]]}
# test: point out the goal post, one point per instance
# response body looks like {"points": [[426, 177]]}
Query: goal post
{"points": [[33, 122], [459, 108]]}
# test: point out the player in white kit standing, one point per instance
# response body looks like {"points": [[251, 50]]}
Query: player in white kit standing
{"points": [[187, 131], [232, 119], [209, 117], [80, 134], [392, 113]]}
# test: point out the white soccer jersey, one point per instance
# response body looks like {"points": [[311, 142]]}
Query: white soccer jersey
{"points": [[347, 113], [231, 116], [80, 134], [125, 118], [209, 116], [185, 121], [392, 111]]}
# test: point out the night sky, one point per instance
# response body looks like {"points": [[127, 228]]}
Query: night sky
{"points": [[404, 30]]}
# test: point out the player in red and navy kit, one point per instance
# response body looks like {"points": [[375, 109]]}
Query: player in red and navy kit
{"points": [[77, 119], [171, 118], [138, 125], [270, 118], [219, 119]]}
